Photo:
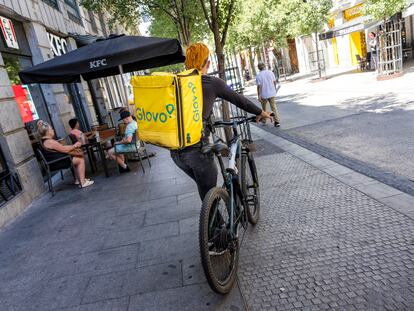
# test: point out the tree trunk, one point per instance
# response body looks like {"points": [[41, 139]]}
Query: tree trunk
{"points": [[251, 63], [222, 75], [263, 50], [214, 21], [258, 54], [220, 62]]}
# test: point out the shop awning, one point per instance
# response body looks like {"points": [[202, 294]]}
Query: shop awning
{"points": [[357, 24], [408, 11], [112, 56], [82, 40]]}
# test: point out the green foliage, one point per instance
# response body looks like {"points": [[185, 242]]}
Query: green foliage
{"points": [[259, 21], [124, 12], [162, 25], [276, 20], [307, 17], [169, 68], [11, 62], [383, 9], [171, 18]]}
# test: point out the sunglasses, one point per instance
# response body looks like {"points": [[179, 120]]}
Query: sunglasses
{"points": [[45, 125]]}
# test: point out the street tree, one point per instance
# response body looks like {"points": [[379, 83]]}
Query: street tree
{"points": [[161, 25], [260, 23], [308, 17], [219, 16], [183, 14], [383, 9]]}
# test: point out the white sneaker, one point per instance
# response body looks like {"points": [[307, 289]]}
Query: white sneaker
{"points": [[87, 183]]}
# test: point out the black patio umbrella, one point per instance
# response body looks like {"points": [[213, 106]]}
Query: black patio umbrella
{"points": [[107, 57]]}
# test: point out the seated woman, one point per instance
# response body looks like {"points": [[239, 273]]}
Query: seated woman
{"points": [[54, 150], [76, 132]]}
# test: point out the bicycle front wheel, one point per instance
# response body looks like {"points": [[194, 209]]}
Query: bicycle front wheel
{"points": [[250, 187], [219, 249]]}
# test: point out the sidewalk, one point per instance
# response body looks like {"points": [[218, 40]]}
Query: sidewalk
{"points": [[327, 238], [354, 119]]}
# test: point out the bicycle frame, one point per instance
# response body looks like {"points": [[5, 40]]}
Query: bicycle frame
{"points": [[231, 179]]}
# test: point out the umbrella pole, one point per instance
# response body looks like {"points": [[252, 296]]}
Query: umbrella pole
{"points": [[121, 72]]}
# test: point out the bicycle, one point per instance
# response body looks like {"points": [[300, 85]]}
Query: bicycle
{"points": [[226, 208]]}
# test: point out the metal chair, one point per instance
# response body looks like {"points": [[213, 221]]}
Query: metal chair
{"points": [[138, 148], [47, 166], [362, 62]]}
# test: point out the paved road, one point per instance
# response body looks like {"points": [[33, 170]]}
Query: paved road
{"points": [[356, 116]]}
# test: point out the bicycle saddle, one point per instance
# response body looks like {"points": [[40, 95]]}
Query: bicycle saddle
{"points": [[217, 148]]}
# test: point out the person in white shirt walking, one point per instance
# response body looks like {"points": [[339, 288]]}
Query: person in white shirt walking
{"points": [[266, 91]]}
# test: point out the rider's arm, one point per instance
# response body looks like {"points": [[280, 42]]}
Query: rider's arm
{"points": [[225, 92]]}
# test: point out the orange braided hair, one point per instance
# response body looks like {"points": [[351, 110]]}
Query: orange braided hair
{"points": [[196, 56]]}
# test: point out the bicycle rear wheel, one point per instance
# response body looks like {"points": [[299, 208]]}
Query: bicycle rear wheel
{"points": [[218, 249], [250, 187]]}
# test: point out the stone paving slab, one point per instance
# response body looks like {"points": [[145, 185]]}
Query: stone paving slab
{"points": [[327, 239], [130, 242]]}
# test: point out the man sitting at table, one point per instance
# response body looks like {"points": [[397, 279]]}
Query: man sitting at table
{"points": [[76, 132], [126, 144]]}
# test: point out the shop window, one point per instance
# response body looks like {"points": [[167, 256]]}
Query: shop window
{"points": [[103, 26], [52, 3], [93, 21], [73, 11], [29, 98]]}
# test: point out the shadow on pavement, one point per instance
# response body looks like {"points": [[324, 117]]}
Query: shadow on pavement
{"points": [[129, 242], [377, 104]]}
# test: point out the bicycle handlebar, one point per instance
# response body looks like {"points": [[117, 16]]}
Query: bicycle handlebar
{"points": [[234, 122]]}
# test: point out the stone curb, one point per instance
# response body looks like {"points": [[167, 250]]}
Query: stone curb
{"points": [[393, 198]]}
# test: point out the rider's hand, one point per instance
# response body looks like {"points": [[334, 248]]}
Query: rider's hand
{"points": [[77, 145], [260, 98], [264, 115]]}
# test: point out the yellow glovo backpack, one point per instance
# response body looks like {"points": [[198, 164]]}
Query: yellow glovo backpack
{"points": [[169, 108]]}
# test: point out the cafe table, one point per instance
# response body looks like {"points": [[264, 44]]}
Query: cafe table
{"points": [[99, 145]]}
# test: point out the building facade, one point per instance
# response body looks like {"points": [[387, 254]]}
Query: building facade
{"points": [[345, 38], [34, 31]]}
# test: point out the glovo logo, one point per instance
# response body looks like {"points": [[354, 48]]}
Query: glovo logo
{"points": [[150, 116], [196, 110]]}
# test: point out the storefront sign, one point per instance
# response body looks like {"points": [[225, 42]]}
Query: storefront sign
{"points": [[7, 29], [353, 12], [58, 45], [346, 31], [25, 103], [341, 32]]}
